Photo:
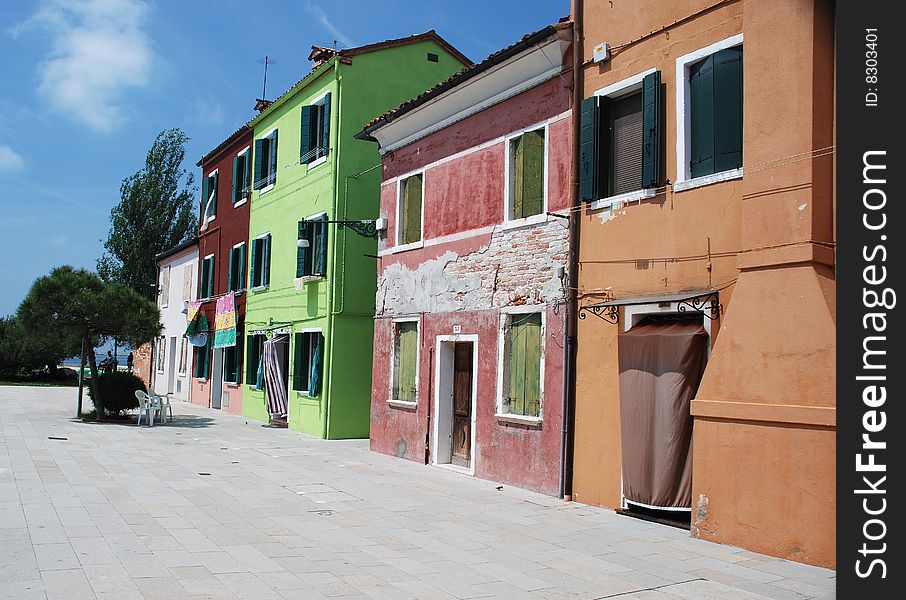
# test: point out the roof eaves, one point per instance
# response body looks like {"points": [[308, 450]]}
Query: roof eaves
{"points": [[175, 249]]}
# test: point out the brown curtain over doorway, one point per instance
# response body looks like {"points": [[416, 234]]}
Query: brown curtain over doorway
{"points": [[661, 364]]}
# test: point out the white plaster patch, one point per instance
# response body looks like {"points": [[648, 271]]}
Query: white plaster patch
{"points": [[802, 206]]}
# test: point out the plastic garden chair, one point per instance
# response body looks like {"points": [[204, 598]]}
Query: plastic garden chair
{"points": [[146, 406], [163, 404]]}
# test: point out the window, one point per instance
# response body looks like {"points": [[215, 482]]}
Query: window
{"points": [[232, 361], [521, 383], [165, 286], [253, 366], [525, 171], [210, 197], [307, 356], [241, 177], [202, 357], [183, 355], [237, 268], [266, 161], [315, 130], [187, 273], [405, 362], [621, 138], [261, 261], [311, 248], [161, 353], [207, 277], [409, 210], [715, 98]]}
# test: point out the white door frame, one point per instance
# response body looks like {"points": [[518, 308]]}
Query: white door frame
{"points": [[444, 353], [171, 365], [216, 378]]}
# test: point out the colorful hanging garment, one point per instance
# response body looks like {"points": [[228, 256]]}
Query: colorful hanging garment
{"points": [[225, 321], [196, 321], [275, 389]]}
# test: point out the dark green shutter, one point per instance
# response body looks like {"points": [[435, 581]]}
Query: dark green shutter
{"points": [[239, 348], [215, 177], [273, 171], [211, 277], [205, 194], [588, 140], [319, 264], [651, 130], [232, 268], [532, 172], [297, 362], [701, 97], [728, 109], [266, 275], [305, 145], [255, 276], [251, 356], [259, 164], [201, 361], [241, 283], [237, 181], [203, 288], [325, 126], [314, 382], [300, 251]]}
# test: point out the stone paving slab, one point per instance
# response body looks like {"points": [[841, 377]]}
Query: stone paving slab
{"points": [[214, 506]]}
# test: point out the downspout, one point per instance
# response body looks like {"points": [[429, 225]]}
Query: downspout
{"points": [[342, 292], [569, 345], [336, 188]]}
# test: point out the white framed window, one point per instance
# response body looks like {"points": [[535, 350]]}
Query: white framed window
{"points": [[236, 277], [210, 197], [308, 352], [242, 176], [404, 365], [165, 286], [709, 102], [161, 353], [410, 210], [265, 176], [311, 247], [520, 364], [315, 138], [261, 262], [188, 277], [207, 277], [183, 355], [525, 184]]}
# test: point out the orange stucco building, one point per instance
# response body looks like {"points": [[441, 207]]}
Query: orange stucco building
{"points": [[726, 111]]}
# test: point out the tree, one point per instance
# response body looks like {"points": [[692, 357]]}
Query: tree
{"points": [[156, 212], [23, 350], [78, 303]]}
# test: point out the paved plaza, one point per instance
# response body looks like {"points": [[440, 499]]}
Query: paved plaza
{"points": [[214, 506]]}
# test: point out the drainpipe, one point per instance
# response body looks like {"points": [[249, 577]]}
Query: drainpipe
{"points": [[336, 187], [569, 345]]}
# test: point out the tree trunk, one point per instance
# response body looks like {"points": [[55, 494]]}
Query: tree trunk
{"points": [[81, 378], [98, 401]]}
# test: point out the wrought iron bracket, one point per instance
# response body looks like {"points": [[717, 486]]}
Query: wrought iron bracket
{"points": [[364, 227], [611, 314], [708, 305]]}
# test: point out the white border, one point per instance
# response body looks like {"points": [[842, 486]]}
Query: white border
{"points": [[508, 219], [213, 268], [242, 267], [506, 313], [310, 359], [248, 166], [265, 285], [418, 352], [473, 456], [684, 117], [398, 246], [216, 175]]}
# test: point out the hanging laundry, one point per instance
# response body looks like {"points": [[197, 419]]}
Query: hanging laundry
{"points": [[275, 388], [225, 321]]}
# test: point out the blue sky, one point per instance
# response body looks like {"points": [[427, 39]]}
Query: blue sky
{"points": [[88, 84]]}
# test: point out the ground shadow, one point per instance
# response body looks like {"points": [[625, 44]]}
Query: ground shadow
{"points": [[179, 422]]}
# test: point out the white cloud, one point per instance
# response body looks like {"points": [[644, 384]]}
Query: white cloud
{"points": [[10, 160], [99, 50], [330, 27]]}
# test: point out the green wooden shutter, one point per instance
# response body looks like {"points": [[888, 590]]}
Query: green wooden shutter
{"points": [[211, 277], [273, 171], [518, 181], [251, 357], [517, 366], [259, 164], [266, 274], [201, 361], [255, 275], [237, 181], [239, 352], [588, 140], [408, 352], [314, 382], [241, 283], [297, 361], [728, 109], [319, 262], [532, 172], [230, 278], [412, 209], [300, 251], [305, 145], [215, 177], [205, 194], [532, 386], [701, 96], [651, 130], [203, 288], [325, 126]]}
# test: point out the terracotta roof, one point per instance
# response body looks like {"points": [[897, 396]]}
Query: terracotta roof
{"points": [[348, 53], [463, 75], [233, 137]]}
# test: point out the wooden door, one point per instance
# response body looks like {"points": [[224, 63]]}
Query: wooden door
{"points": [[462, 404]]}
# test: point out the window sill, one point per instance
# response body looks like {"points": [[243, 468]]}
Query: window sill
{"points": [[266, 188], [317, 162], [402, 404], [688, 184], [519, 420], [620, 199], [407, 247], [232, 386], [260, 288], [201, 379], [241, 202], [524, 222]]}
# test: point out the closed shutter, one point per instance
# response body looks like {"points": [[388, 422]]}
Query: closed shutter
{"points": [[266, 270], [203, 290], [626, 144], [273, 152], [325, 126], [255, 276], [201, 362], [728, 109], [305, 145], [301, 252], [518, 170], [588, 140], [300, 355], [230, 274], [205, 195], [701, 96], [651, 129], [241, 283], [237, 180], [259, 164], [210, 277], [251, 357], [525, 365], [317, 359], [412, 209], [319, 263], [214, 200], [238, 355], [533, 173], [408, 351]]}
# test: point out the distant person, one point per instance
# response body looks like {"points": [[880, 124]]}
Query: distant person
{"points": [[129, 362], [108, 364]]}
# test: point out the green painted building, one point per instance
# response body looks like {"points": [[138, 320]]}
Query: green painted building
{"points": [[310, 305]]}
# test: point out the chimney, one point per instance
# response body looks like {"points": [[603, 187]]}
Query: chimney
{"points": [[321, 54], [261, 105]]}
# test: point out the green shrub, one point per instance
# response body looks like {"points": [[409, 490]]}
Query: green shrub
{"points": [[118, 390]]}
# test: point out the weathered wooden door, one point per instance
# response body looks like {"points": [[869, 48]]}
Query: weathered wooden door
{"points": [[462, 404]]}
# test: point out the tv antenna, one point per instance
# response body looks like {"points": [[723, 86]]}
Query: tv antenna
{"points": [[265, 61]]}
